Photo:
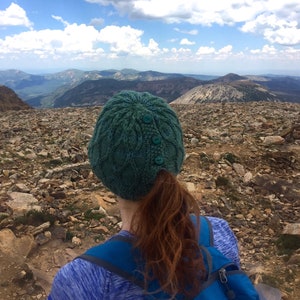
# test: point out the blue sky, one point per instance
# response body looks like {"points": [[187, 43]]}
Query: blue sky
{"points": [[212, 37]]}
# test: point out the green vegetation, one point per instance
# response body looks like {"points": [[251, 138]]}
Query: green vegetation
{"points": [[3, 216], [231, 193], [35, 218], [205, 161], [287, 244], [69, 235], [93, 214], [222, 181], [230, 157], [53, 163]]}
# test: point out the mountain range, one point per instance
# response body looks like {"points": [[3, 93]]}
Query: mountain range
{"points": [[84, 88]]}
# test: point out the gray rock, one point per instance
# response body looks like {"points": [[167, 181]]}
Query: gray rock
{"points": [[273, 140], [292, 229], [239, 169], [21, 203], [18, 248]]}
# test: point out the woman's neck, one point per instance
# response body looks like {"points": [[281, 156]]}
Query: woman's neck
{"points": [[128, 209]]}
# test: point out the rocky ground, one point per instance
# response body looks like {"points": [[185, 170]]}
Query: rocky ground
{"points": [[242, 163]]}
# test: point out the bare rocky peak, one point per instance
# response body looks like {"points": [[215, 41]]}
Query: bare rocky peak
{"points": [[230, 77], [227, 91], [9, 100], [212, 93]]}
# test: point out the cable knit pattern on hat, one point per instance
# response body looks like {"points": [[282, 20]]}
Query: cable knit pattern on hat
{"points": [[136, 135]]}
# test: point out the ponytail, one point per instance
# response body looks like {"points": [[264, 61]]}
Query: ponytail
{"points": [[168, 239]]}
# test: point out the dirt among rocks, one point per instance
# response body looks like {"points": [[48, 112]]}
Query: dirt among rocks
{"points": [[242, 163]]}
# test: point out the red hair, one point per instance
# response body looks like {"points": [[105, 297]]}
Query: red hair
{"points": [[168, 239]]}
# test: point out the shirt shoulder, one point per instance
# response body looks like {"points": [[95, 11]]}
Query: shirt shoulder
{"points": [[224, 239], [75, 279]]}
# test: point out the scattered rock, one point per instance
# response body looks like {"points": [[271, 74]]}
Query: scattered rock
{"points": [[248, 177], [239, 169], [21, 187], [194, 141], [18, 248], [22, 203], [76, 241], [292, 229], [273, 140]]}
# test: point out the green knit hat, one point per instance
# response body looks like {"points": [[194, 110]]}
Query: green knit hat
{"points": [[136, 136]]}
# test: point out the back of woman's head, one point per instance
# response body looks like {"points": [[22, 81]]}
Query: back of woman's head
{"points": [[136, 136]]}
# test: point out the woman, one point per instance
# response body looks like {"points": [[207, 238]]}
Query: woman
{"points": [[137, 151]]}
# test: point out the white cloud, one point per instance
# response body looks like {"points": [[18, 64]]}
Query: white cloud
{"points": [[204, 50], [191, 32], [269, 49], [225, 50], [224, 53], [79, 42], [180, 50], [275, 29], [127, 40], [73, 39], [211, 52], [287, 56], [14, 15], [266, 49], [276, 21], [60, 19], [283, 36], [191, 11], [178, 55], [186, 42], [97, 22]]}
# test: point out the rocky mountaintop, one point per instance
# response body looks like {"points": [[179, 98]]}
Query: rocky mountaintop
{"points": [[242, 163], [226, 90], [230, 77], [9, 100]]}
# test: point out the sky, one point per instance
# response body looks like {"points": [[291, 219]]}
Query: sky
{"points": [[212, 37]]}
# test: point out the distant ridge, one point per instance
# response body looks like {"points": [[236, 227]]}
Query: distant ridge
{"points": [[97, 92], [9, 100], [288, 88], [229, 88]]}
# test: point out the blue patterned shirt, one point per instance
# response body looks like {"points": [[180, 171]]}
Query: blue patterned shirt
{"points": [[83, 280]]}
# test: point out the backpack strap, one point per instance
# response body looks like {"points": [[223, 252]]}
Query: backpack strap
{"points": [[206, 240], [118, 256], [206, 237]]}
